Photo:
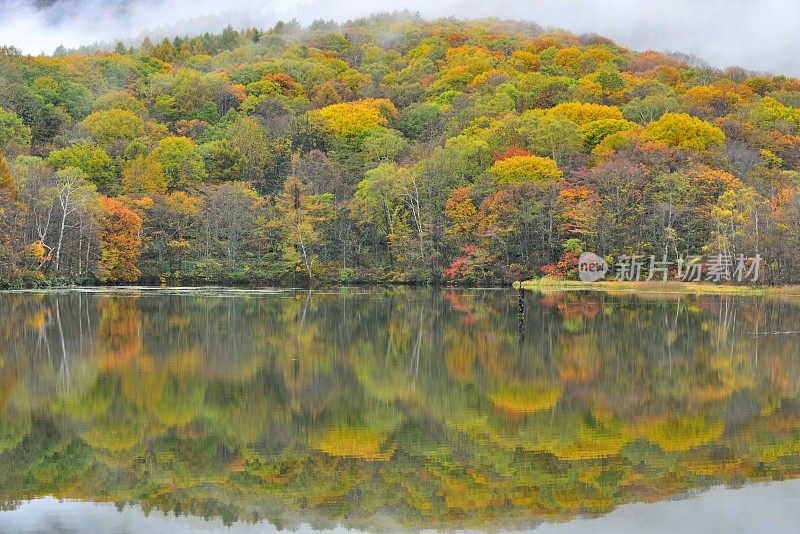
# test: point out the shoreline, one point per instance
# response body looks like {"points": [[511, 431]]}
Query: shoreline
{"points": [[685, 288], [540, 284]]}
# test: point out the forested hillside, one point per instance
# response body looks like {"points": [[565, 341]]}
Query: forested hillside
{"points": [[388, 149]]}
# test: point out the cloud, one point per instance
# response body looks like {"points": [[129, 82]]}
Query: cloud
{"points": [[756, 35]]}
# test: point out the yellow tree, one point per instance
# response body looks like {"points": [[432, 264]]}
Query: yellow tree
{"points": [[525, 169], [738, 219], [594, 132], [300, 213], [144, 176], [716, 100], [9, 206], [356, 118], [679, 130], [460, 209], [582, 112]]}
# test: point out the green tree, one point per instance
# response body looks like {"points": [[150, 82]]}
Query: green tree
{"points": [[224, 162], [417, 119], [650, 108], [552, 136], [13, 132], [91, 160], [120, 100], [181, 162], [251, 140], [114, 125], [382, 146]]}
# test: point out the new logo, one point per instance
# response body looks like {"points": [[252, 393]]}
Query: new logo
{"points": [[591, 267]]}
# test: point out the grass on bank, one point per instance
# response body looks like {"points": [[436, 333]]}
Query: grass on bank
{"points": [[694, 288]]}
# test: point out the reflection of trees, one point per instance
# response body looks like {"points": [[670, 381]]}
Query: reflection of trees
{"points": [[332, 406]]}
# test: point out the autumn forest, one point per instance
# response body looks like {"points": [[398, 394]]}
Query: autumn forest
{"points": [[388, 149]]}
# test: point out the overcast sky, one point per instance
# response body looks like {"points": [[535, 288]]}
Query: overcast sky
{"points": [[756, 34]]}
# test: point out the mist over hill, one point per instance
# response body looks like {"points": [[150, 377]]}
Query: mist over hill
{"points": [[754, 35]]}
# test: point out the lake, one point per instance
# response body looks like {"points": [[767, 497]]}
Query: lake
{"points": [[397, 409]]}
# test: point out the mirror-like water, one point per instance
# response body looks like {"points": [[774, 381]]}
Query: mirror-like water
{"points": [[389, 409]]}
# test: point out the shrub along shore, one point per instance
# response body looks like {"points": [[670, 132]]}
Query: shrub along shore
{"points": [[695, 288]]}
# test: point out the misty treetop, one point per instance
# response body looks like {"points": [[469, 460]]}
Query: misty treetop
{"points": [[387, 149]]}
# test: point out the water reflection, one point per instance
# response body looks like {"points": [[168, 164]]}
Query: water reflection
{"points": [[393, 408]]}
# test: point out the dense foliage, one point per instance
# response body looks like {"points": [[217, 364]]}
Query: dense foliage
{"points": [[409, 408], [387, 149]]}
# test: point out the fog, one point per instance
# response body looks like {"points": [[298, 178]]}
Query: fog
{"points": [[759, 35]]}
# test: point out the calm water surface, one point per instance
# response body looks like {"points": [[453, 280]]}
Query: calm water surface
{"points": [[397, 409]]}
